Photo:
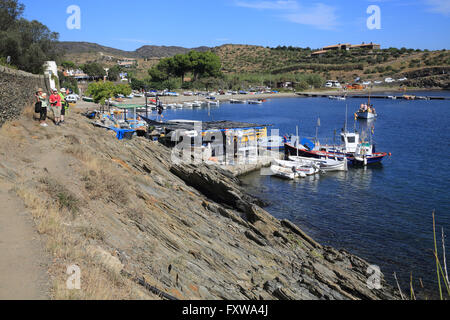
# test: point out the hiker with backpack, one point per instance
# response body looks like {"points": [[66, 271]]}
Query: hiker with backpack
{"points": [[41, 107], [64, 104]]}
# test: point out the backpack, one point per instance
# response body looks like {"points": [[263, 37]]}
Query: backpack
{"points": [[38, 107]]}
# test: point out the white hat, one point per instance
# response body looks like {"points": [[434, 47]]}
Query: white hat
{"points": [[63, 90]]}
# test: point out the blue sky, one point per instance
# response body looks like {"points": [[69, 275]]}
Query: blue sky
{"points": [[128, 25]]}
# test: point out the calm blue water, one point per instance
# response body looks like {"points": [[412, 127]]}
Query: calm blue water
{"points": [[382, 213]]}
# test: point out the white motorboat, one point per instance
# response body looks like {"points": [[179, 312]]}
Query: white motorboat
{"points": [[307, 168], [234, 101], [254, 102], [343, 98], [197, 104], [286, 173], [326, 164]]}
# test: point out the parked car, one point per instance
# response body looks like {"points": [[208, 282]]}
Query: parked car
{"points": [[389, 80], [378, 82], [402, 79], [71, 98]]}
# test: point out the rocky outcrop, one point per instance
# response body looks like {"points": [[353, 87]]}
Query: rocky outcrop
{"points": [[17, 89]]}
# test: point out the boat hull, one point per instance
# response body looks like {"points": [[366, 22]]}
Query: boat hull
{"points": [[366, 115], [291, 150]]}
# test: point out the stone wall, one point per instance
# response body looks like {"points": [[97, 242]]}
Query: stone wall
{"points": [[17, 89]]}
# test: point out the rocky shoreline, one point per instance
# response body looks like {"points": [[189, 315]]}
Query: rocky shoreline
{"points": [[191, 231]]}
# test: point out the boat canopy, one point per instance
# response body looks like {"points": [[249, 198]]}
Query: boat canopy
{"points": [[308, 143]]}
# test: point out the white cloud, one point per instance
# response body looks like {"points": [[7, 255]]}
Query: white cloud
{"points": [[320, 16], [273, 5], [439, 6]]}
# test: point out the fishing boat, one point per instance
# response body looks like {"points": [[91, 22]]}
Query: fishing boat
{"points": [[197, 104], [286, 173], [366, 111], [325, 164], [234, 101], [392, 97], [337, 98], [308, 168], [214, 103], [351, 149]]}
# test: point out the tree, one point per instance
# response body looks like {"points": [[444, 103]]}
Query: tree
{"points": [[10, 11], [94, 70], [161, 71], [180, 65], [28, 43], [114, 73], [101, 91], [204, 64], [68, 65], [137, 84]]}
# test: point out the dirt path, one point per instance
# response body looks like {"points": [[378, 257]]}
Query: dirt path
{"points": [[23, 262]]}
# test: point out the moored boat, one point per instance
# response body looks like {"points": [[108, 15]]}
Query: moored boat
{"points": [[326, 164], [366, 111], [307, 168], [350, 150], [286, 173]]}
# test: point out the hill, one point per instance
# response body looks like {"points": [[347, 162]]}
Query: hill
{"points": [[147, 51], [283, 62], [163, 51]]}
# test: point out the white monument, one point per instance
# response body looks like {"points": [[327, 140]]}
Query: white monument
{"points": [[51, 73]]}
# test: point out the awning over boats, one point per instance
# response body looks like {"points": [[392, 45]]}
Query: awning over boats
{"points": [[206, 126]]}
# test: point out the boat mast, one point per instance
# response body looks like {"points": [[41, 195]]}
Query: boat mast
{"points": [[317, 129], [296, 142], [346, 116]]}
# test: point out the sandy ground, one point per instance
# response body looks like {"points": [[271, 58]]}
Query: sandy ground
{"points": [[23, 263]]}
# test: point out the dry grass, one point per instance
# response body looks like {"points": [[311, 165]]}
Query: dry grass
{"points": [[67, 244], [63, 197]]}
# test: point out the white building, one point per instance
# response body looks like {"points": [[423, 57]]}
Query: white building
{"points": [[51, 73]]}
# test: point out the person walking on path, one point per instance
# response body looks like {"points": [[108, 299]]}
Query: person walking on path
{"points": [[41, 99], [55, 102], [64, 104]]}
